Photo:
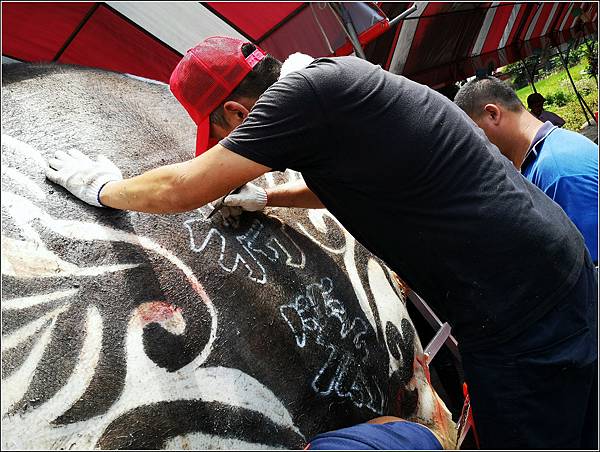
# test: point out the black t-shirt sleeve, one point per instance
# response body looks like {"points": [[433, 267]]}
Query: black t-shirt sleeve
{"points": [[284, 129]]}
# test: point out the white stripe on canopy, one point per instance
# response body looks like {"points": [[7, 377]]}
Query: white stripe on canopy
{"points": [[405, 39], [485, 29], [180, 25]]}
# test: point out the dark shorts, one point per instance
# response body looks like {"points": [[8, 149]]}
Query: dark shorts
{"points": [[540, 389]]}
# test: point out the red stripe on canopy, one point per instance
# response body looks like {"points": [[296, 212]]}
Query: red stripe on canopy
{"points": [[500, 22], [110, 42], [527, 20], [564, 8], [542, 19], [37, 31], [254, 18], [571, 16], [436, 40], [302, 34], [521, 18]]}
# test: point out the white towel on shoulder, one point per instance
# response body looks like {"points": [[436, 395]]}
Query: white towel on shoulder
{"points": [[295, 62]]}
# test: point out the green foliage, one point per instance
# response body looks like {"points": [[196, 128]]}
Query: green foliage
{"points": [[591, 54], [572, 112], [541, 66], [576, 55], [517, 74], [586, 86], [553, 82], [558, 98]]}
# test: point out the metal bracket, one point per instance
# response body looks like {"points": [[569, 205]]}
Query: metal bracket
{"points": [[402, 15], [438, 340], [434, 321]]}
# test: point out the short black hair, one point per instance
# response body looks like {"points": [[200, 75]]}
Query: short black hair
{"points": [[263, 75], [475, 94]]}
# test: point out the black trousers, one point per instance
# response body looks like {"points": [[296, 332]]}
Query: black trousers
{"points": [[540, 389]]}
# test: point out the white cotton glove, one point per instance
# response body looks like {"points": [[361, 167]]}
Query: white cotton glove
{"points": [[81, 175], [250, 197]]}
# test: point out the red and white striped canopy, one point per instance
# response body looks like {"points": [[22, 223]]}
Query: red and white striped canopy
{"points": [[439, 43], [450, 41]]}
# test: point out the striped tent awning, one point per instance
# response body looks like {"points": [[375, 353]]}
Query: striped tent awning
{"points": [[444, 42], [439, 43], [148, 38]]}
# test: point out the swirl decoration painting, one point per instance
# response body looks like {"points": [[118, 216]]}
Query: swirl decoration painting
{"points": [[123, 330]]}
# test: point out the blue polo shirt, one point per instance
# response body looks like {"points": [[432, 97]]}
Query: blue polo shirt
{"points": [[564, 165], [400, 435]]}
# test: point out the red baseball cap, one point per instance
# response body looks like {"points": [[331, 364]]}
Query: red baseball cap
{"points": [[206, 75]]}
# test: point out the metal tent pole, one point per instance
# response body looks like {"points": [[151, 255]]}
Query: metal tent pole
{"points": [[343, 16], [530, 76]]}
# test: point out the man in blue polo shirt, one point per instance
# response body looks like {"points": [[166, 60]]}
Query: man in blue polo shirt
{"points": [[562, 163]]}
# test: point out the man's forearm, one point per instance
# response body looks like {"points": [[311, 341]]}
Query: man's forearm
{"points": [[172, 188], [154, 191], [293, 194]]}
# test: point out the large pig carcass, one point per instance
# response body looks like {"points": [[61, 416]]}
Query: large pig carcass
{"points": [[128, 330]]}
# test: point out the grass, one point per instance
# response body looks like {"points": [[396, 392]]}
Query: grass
{"points": [[571, 111], [552, 83]]}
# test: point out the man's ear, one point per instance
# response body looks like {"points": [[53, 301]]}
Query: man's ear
{"points": [[493, 113], [235, 112]]}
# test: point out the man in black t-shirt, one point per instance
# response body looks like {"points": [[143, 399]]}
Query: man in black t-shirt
{"points": [[417, 183]]}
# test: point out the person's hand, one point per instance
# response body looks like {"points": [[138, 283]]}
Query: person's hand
{"points": [[250, 198], [82, 176], [231, 216]]}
